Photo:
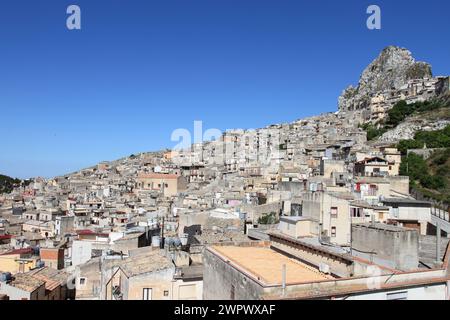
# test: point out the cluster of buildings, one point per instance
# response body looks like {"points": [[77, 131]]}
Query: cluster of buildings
{"points": [[292, 211], [374, 108]]}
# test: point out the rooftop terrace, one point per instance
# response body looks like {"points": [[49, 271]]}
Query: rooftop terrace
{"points": [[266, 265]]}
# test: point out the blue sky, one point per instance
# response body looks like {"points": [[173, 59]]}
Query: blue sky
{"points": [[139, 69]]}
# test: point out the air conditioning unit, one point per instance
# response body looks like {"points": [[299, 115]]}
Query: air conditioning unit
{"points": [[324, 268]]}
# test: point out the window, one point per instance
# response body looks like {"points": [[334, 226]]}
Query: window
{"points": [[147, 294], [356, 212], [82, 281], [166, 293], [334, 212], [166, 185], [395, 211], [397, 295], [333, 232]]}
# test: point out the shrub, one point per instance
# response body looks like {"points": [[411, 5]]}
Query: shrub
{"points": [[268, 218]]}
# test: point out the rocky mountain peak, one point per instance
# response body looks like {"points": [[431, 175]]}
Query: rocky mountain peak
{"points": [[390, 70]]}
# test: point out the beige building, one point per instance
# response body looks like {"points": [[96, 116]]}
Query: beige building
{"points": [[18, 260], [168, 184], [332, 210], [394, 159], [153, 276], [328, 167], [362, 212], [372, 167], [298, 227]]}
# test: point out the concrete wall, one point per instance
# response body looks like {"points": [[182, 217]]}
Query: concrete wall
{"points": [[64, 224], [328, 166], [91, 287], [399, 247], [219, 279], [303, 228], [318, 205], [81, 252], [399, 184], [189, 290], [410, 213], [18, 294], [296, 187], [427, 292], [255, 212], [159, 282]]}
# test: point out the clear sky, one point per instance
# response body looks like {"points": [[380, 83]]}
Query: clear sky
{"points": [[139, 69]]}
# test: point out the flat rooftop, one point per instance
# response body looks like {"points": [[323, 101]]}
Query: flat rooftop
{"points": [[406, 201], [383, 227], [266, 265]]}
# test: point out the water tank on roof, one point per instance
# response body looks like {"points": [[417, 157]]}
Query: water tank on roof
{"points": [[184, 239], [157, 169], [5, 276], [243, 215], [170, 241], [176, 242], [156, 240]]}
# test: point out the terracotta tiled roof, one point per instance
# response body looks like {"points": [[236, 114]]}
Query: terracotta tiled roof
{"points": [[18, 251]]}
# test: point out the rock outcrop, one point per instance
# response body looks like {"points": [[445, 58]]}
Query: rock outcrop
{"points": [[389, 71], [407, 129]]}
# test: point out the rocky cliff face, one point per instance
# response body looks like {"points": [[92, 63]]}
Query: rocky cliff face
{"points": [[390, 70]]}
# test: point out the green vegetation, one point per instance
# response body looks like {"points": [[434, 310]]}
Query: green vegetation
{"points": [[430, 177], [432, 139], [268, 218], [372, 131], [400, 111], [419, 171], [7, 184]]}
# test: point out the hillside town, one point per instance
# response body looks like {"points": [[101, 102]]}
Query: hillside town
{"points": [[304, 210]]}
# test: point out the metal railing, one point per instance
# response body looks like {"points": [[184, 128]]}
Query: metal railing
{"points": [[440, 213]]}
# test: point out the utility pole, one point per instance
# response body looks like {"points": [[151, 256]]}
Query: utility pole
{"points": [[283, 279], [161, 242], [438, 243]]}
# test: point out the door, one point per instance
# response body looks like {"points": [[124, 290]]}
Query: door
{"points": [[147, 294]]}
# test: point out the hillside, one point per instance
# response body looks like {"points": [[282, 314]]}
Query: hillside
{"points": [[7, 184], [430, 175], [404, 120]]}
